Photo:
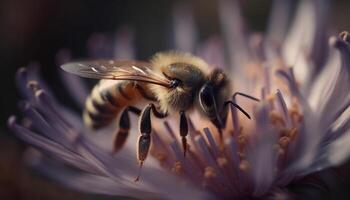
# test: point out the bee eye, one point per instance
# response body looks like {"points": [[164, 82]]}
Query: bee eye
{"points": [[174, 83], [206, 98]]}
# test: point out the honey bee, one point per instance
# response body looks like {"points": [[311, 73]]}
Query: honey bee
{"points": [[172, 82]]}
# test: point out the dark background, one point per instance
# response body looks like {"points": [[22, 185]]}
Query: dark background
{"points": [[35, 30]]}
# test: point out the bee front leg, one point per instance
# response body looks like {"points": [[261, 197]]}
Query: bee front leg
{"points": [[124, 128], [145, 126], [183, 131]]}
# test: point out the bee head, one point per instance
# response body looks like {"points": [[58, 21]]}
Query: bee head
{"points": [[212, 94], [184, 76]]}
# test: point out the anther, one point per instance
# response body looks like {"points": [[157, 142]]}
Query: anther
{"points": [[244, 165], [275, 118], [161, 157], [292, 133], [345, 36], [33, 85], [284, 141], [209, 172], [177, 168], [222, 161]]}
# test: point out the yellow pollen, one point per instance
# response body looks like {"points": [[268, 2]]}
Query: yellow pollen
{"points": [[209, 172], [296, 115], [276, 118], [292, 133], [222, 161], [177, 168], [34, 85], [241, 155], [241, 139], [270, 98], [295, 103], [161, 157], [244, 165], [284, 141]]}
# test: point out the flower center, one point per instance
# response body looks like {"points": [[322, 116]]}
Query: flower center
{"points": [[225, 167]]}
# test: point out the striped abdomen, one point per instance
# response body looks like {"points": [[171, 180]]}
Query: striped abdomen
{"points": [[108, 98]]}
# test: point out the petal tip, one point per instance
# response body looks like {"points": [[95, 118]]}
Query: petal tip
{"points": [[11, 121]]}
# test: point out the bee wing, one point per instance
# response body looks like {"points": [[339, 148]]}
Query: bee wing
{"points": [[117, 70]]}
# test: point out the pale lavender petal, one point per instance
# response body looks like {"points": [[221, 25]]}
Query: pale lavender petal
{"points": [[279, 21], [339, 150], [262, 156], [212, 51], [308, 140], [332, 84], [185, 33], [304, 47], [235, 37], [124, 44]]}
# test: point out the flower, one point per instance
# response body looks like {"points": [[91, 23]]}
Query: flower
{"points": [[300, 126]]}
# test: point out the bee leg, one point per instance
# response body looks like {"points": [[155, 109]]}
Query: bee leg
{"points": [[183, 131], [124, 127], [144, 140]]}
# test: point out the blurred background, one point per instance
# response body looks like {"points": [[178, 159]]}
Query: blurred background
{"points": [[36, 30]]}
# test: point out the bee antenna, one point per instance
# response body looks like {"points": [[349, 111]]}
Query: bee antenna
{"points": [[139, 173]]}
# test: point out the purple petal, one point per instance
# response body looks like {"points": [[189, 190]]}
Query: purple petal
{"points": [[185, 33], [234, 33]]}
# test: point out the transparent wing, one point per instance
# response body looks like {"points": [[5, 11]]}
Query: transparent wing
{"points": [[117, 70]]}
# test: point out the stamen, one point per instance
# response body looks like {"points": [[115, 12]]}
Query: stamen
{"points": [[284, 108], [234, 153], [177, 168], [276, 119], [234, 117], [209, 173], [212, 161], [289, 77], [241, 140], [33, 86], [267, 79], [169, 130], [161, 157], [296, 116], [293, 133], [211, 141], [222, 161], [185, 164], [284, 141]]}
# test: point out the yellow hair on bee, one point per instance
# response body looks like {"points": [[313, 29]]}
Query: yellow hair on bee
{"points": [[164, 59], [171, 100]]}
